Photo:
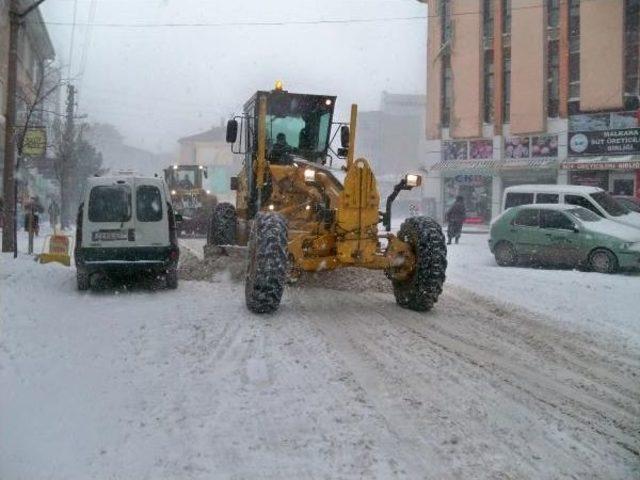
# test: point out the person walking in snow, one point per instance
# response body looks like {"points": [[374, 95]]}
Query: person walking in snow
{"points": [[455, 218]]}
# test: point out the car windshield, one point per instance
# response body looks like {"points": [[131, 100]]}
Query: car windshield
{"points": [[610, 204], [584, 215]]}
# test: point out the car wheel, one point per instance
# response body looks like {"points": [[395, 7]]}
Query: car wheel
{"points": [[505, 254], [172, 278], [83, 280], [603, 261]]}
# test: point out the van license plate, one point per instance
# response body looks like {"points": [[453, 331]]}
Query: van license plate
{"points": [[109, 235]]}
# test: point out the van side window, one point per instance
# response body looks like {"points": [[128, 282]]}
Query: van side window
{"points": [[581, 202], [527, 218], [110, 203], [547, 198], [557, 220], [148, 204], [515, 199]]}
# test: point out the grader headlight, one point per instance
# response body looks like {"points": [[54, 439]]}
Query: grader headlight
{"points": [[413, 180], [309, 175]]}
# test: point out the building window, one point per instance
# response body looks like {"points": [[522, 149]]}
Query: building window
{"points": [[553, 13], [506, 17], [506, 81], [487, 19], [553, 79], [445, 14], [632, 45], [446, 92], [488, 86], [574, 50]]}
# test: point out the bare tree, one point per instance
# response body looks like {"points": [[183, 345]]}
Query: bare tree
{"points": [[34, 105]]}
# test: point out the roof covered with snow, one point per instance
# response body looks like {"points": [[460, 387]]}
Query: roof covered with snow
{"points": [[553, 189]]}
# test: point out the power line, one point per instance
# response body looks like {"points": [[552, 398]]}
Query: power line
{"points": [[336, 21], [73, 33], [242, 24], [87, 42]]}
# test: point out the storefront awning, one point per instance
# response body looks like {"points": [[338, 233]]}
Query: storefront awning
{"points": [[627, 162], [528, 163], [496, 165], [466, 165]]}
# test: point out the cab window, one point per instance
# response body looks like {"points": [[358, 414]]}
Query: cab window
{"points": [[555, 220], [581, 202], [148, 204], [547, 198], [110, 203], [527, 218], [515, 199]]}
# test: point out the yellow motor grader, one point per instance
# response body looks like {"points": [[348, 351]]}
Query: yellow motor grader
{"points": [[296, 213]]}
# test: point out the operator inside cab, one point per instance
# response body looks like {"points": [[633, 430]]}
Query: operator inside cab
{"points": [[281, 151]]}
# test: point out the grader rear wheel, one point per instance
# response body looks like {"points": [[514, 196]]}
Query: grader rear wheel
{"points": [[222, 226], [268, 263], [423, 287]]}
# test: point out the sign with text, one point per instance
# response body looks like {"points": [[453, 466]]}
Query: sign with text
{"points": [[35, 142], [624, 141]]}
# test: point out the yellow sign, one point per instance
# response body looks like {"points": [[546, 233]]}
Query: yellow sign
{"points": [[35, 142]]}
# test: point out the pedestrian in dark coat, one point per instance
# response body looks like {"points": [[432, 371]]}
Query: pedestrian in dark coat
{"points": [[455, 218]]}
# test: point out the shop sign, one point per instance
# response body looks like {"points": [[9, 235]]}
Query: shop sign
{"points": [[34, 143], [607, 142], [622, 165]]}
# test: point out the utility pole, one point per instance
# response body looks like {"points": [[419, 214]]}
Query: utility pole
{"points": [[67, 156], [8, 180]]}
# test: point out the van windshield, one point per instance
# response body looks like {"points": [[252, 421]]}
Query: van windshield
{"points": [[610, 204], [110, 203]]}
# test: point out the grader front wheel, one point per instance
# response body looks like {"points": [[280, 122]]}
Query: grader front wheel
{"points": [[268, 263], [424, 285]]}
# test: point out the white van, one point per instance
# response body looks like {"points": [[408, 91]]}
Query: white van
{"points": [[592, 198], [126, 224]]}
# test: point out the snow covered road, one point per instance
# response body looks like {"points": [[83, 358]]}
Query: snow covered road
{"points": [[137, 384]]}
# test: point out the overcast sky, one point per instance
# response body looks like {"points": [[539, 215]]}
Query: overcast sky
{"points": [[157, 84]]}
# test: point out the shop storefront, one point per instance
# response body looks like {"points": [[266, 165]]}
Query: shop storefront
{"points": [[604, 151], [476, 189], [617, 175], [467, 169]]}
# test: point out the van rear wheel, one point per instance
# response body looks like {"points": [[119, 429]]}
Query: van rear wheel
{"points": [[172, 278], [83, 279]]}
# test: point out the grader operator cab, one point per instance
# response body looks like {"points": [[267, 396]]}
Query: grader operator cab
{"points": [[295, 215], [189, 198]]}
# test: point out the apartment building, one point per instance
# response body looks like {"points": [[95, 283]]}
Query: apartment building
{"points": [[531, 91]]}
